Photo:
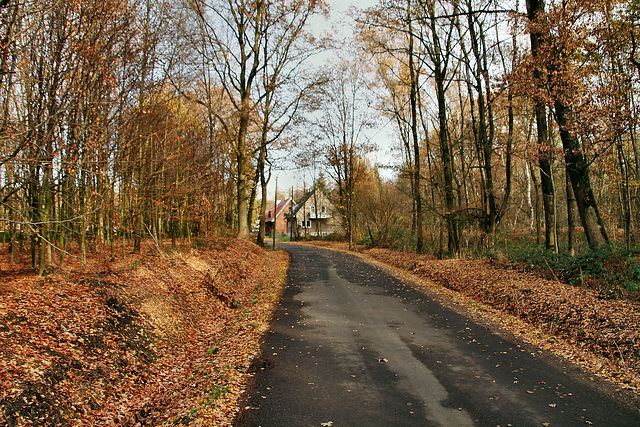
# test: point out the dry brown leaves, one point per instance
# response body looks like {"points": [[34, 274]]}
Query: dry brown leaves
{"points": [[162, 339]]}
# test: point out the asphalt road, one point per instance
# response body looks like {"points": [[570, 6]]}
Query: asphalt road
{"points": [[353, 346]]}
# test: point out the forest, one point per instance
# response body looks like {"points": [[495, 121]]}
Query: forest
{"points": [[130, 120], [485, 150]]}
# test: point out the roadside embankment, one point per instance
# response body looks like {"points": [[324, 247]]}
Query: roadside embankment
{"points": [[166, 338]]}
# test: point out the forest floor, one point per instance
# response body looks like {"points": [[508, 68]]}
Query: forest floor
{"points": [[168, 337], [163, 338], [579, 324]]}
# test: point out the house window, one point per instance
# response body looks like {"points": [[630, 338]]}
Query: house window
{"points": [[313, 209]]}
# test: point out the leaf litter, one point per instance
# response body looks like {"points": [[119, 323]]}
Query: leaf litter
{"points": [[171, 339], [159, 339]]}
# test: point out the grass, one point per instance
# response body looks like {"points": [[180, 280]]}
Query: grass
{"points": [[216, 393]]}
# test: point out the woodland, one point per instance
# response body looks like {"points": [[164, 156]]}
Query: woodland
{"points": [[130, 120], [138, 140]]}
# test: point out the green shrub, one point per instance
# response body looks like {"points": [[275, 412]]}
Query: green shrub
{"points": [[610, 270], [393, 237]]}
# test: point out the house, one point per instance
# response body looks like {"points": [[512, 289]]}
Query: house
{"points": [[313, 216], [278, 218]]}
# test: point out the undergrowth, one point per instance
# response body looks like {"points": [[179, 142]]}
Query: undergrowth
{"points": [[394, 237], [611, 270]]}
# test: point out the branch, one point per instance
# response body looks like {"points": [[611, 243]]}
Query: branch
{"points": [[38, 223]]}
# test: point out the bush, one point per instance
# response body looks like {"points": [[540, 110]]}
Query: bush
{"points": [[333, 237], [393, 237], [610, 270]]}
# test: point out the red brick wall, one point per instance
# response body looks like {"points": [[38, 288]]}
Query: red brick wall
{"points": [[281, 222]]}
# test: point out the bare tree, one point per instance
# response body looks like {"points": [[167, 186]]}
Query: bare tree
{"points": [[282, 86], [345, 117]]}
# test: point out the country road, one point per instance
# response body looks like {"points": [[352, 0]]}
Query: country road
{"points": [[353, 346]]}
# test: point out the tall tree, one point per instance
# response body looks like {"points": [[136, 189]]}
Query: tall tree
{"points": [[233, 32], [413, 100], [389, 32], [282, 86], [345, 117], [438, 45], [483, 101], [249, 46], [535, 8], [555, 53]]}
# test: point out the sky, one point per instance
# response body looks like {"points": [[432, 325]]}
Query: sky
{"points": [[339, 24]]}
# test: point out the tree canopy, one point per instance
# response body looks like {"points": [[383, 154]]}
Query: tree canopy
{"points": [[126, 120]]}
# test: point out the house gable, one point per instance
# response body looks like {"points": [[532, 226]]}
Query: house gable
{"points": [[313, 215], [278, 219]]}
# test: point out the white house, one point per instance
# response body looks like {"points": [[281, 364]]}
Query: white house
{"points": [[313, 216]]}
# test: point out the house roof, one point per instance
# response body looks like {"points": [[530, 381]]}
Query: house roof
{"points": [[301, 202], [280, 207]]}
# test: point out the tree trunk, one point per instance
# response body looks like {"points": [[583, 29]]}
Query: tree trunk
{"points": [[439, 73], [537, 208], [535, 8], [263, 186], [417, 191], [243, 184], [351, 213], [578, 170], [571, 216], [453, 243], [626, 195], [548, 199]]}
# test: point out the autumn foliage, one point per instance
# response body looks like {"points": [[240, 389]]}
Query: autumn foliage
{"points": [[160, 340]]}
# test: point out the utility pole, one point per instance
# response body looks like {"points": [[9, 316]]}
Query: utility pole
{"points": [[275, 214]]}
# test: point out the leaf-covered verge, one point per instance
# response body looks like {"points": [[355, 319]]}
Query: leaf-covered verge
{"points": [[577, 323], [166, 338]]}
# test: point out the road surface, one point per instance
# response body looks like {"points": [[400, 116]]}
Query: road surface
{"points": [[353, 346]]}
